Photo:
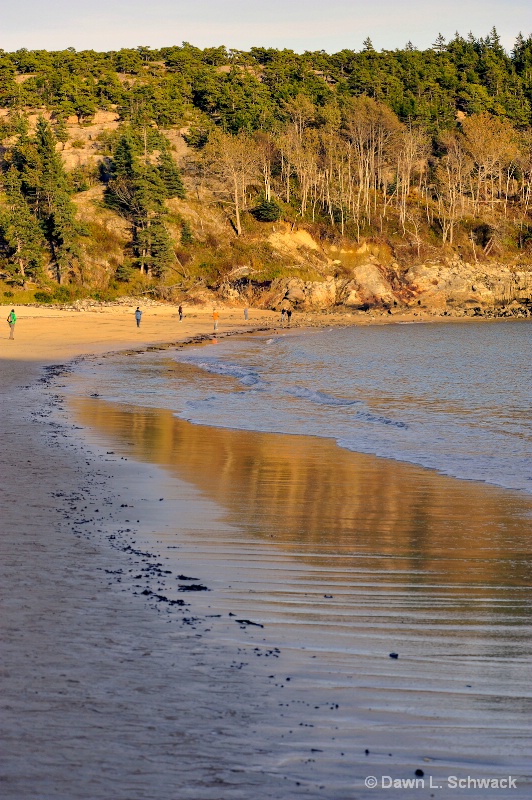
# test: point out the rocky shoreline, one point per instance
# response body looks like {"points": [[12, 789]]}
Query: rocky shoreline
{"points": [[454, 289]]}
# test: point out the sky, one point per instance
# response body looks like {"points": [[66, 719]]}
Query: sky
{"points": [[300, 25]]}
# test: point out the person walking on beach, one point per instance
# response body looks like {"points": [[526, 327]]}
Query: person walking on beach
{"points": [[180, 312], [215, 318], [138, 316], [246, 314], [11, 319], [283, 312], [289, 316]]}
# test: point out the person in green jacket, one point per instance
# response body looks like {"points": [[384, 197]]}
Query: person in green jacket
{"points": [[12, 318]]}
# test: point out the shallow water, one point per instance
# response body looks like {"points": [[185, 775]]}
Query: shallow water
{"points": [[344, 558], [452, 397]]}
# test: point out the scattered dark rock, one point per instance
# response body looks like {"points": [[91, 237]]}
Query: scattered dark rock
{"points": [[394, 655], [247, 622], [419, 773]]}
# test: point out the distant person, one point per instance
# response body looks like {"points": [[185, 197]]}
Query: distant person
{"points": [[180, 312], [11, 319], [289, 316], [215, 318], [246, 314], [138, 316], [283, 312]]}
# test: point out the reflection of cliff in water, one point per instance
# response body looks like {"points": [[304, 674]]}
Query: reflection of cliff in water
{"points": [[312, 497]]}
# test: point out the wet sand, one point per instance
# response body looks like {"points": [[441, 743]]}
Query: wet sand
{"points": [[112, 688], [344, 558], [99, 698]]}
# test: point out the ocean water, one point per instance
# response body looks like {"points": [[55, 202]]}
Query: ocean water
{"points": [[343, 557], [453, 398]]}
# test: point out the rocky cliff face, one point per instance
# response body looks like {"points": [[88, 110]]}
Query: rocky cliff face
{"points": [[454, 288]]}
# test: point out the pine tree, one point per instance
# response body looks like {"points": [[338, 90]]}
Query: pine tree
{"points": [[439, 45], [170, 175], [123, 158], [156, 247], [64, 236], [61, 131], [138, 191], [44, 185], [493, 40], [20, 230]]}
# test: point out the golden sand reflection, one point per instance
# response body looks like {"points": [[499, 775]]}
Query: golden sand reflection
{"points": [[332, 506]]}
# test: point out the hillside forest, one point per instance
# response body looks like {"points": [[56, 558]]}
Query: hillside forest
{"points": [[159, 170]]}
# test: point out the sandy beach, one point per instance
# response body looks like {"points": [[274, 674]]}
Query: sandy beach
{"points": [[119, 680], [99, 700]]}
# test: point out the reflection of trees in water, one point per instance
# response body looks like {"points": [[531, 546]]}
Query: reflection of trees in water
{"points": [[322, 501]]}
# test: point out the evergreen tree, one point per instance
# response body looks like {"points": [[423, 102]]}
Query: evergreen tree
{"points": [[170, 175], [187, 237], [20, 230], [138, 191], [64, 236], [61, 130], [439, 45], [123, 158], [155, 249], [45, 186]]}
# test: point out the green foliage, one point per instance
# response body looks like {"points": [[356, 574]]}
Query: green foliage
{"points": [[61, 130], [170, 176], [45, 188], [124, 272], [187, 237], [246, 90], [83, 177], [43, 297], [123, 157], [138, 190], [267, 211], [155, 249], [20, 234], [57, 294], [302, 117]]}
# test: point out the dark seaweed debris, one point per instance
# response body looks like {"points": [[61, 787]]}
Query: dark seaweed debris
{"points": [[193, 587]]}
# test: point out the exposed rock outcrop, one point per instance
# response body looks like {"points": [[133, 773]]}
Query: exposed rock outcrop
{"points": [[439, 288]]}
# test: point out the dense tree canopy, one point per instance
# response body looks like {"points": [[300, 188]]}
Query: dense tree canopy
{"points": [[357, 142], [247, 90]]}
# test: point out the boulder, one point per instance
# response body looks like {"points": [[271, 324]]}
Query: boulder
{"points": [[459, 284], [350, 295], [295, 291], [321, 294], [373, 286]]}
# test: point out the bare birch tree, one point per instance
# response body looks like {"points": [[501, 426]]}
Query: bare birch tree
{"points": [[234, 161]]}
